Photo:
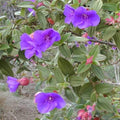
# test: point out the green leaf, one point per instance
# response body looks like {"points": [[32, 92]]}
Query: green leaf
{"points": [[64, 38], [2, 17], [50, 89], [76, 81], [5, 68], [77, 39], [104, 104], [65, 66], [42, 20], [97, 71], [94, 51], [61, 29], [16, 35], [58, 75], [110, 6], [65, 50], [86, 90], [22, 55], [26, 29], [109, 32], [69, 94], [117, 39], [45, 73], [93, 97], [91, 31], [103, 88], [78, 50], [79, 58], [23, 11], [83, 67], [21, 69], [4, 46], [96, 5], [100, 57]]}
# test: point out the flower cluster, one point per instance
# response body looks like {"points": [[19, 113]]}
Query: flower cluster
{"points": [[111, 20], [14, 83], [86, 115], [38, 42], [81, 17], [48, 101]]}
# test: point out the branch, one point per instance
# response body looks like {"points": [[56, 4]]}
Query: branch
{"points": [[103, 42], [94, 40]]}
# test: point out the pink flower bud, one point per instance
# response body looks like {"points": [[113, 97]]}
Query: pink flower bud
{"points": [[23, 81], [89, 60], [40, 4], [85, 35], [79, 1]]}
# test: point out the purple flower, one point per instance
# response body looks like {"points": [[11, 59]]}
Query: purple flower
{"points": [[114, 48], [85, 18], [30, 46], [89, 42], [46, 38], [69, 13], [38, 42], [48, 101], [12, 84]]}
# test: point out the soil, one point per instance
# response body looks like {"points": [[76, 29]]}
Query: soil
{"points": [[18, 107]]}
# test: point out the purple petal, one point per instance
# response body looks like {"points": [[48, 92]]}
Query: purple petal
{"points": [[31, 10], [94, 19], [46, 107], [38, 53], [69, 13], [40, 97], [78, 16], [30, 0], [48, 37], [26, 42], [60, 101], [37, 37], [12, 84], [29, 53]]}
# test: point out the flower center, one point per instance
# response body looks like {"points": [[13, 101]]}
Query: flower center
{"points": [[47, 37], [50, 98], [85, 16]]}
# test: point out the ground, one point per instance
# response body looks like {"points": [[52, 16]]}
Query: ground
{"points": [[18, 107]]}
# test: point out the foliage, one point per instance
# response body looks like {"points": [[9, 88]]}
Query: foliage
{"points": [[63, 66]]}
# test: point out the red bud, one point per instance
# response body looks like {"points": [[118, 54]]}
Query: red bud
{"points": [[23, 81], [89, 60], [50, 21]]}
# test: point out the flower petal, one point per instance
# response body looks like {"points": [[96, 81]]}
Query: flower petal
{"points": [[46, 107], [59, 100], [31, 11], [37, 37], [69, 13], [26, 42], [29, 53], [12, 84], [40, 98], [77, 20], [94, 19]]}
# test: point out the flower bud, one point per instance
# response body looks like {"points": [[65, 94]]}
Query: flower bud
{"points": [[23, 81]]}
